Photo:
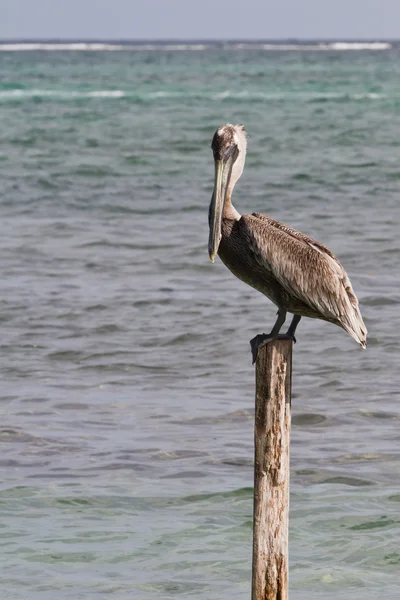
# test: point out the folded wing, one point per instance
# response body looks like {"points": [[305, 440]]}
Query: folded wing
{"points": [[307, 270]]}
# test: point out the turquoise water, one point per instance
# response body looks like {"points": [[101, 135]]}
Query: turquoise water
{"points": [[127, 389]]}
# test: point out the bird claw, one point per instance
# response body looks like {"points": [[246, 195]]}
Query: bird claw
{"points": [[263, 338], [256, 342]]}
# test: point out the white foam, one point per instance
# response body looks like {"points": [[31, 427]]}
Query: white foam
{"points": [[162, 94], [105, 94], [280, 47], [360, 46], [110, 47], [94, 47], [222, 95], [367, 96], [324, 46], [6, 95], [10, 94], [29, 47]]}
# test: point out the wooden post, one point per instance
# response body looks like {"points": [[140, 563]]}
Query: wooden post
{"points": [[271, 471]]}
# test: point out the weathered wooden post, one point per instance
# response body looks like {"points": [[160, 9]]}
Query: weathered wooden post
{"points": [[271, 471]]}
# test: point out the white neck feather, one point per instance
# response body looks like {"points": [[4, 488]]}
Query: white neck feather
{"points": [[237, 169]]}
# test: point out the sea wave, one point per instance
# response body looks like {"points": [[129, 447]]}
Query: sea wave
{"points": [[305, 96], [23, 95], [331, 46], [95, 47], [26, 94], [81, 46], [181, 46], [58, 94], [359, 46]]}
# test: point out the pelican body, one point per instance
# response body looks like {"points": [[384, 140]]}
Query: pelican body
{"points": [[298, 274]]}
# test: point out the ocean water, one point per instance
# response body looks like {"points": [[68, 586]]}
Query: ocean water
{"points": [[127, 389]]}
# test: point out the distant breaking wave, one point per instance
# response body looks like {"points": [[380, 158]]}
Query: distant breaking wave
{"points": [[59, 94], [66, 95], [183, 46], [96, 47], [318, 46]]}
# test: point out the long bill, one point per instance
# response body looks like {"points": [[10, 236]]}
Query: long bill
{"points": [[223, 170]]}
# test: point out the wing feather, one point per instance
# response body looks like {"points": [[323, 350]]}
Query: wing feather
{"points": [[294, 233], [307, 270]]}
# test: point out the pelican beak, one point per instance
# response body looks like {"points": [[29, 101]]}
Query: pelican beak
{"points": [[223, 170]]}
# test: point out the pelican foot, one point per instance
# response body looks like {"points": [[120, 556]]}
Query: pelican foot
{"points": [[256, 342], [264, 338], [288, 336]]}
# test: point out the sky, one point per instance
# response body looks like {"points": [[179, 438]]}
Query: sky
{"points": [[199, 19]]}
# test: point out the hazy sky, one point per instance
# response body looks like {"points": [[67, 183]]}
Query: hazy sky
{"points": [[188, 19]]}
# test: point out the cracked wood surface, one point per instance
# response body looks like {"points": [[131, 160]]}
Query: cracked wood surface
{"points": [[271, 471]]}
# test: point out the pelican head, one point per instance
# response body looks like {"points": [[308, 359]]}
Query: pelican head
{"points": [[229, 148]]}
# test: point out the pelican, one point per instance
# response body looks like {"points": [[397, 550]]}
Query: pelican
{"points": [[298, 274]]}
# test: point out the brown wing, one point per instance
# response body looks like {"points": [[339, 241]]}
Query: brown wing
{"points": [[307, 269], [296, 234]]}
